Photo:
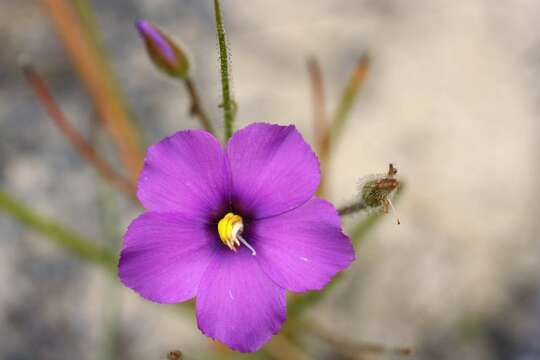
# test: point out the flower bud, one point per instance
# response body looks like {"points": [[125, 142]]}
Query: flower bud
{"points": [[168, 56]]}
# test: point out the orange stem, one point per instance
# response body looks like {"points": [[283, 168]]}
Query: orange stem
{"points": [[86, 60], [83, 147], [320, 120]]}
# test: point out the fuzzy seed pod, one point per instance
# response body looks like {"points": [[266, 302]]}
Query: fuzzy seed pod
{"points": [[377, 190]]}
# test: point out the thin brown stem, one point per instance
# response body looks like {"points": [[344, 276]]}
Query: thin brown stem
{"points": [[281, 348], [196, 105], [83, 147], [321, 125], [87, 62], [352, 348]]}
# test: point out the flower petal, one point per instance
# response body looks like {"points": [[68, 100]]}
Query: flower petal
{"points": [[165, 255], [237, 304], [273, 169], [186, 172], [303, 249]]}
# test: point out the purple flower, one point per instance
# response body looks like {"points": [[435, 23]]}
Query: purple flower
{"points": [[234, 228]]}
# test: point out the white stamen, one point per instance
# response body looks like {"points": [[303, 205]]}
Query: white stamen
{"points": [[237, 228], [394, 210], [243, 241]]}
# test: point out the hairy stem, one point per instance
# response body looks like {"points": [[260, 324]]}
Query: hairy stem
{"points": [[228, 103], [352, 208]]}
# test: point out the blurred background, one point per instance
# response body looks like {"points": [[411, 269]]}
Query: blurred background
{"points": [[450, 97]]}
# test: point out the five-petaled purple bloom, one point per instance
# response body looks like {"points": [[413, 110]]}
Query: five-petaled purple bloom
{"points": [[234, 228]]}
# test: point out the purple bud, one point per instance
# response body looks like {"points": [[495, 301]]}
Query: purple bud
{"points": [[164, 52]]}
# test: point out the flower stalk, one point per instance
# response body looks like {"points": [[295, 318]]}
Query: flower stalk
{"points": [[196, 106], [281, 348], [321, 126], [87, 62], [352, 208], [228, 103], [67, 239], [348, 98], [83, 147], [349, 347], [320, 119], [327, 132], [76, 244]]}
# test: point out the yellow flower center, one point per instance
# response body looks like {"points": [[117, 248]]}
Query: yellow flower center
{"points": [[230, 229]]}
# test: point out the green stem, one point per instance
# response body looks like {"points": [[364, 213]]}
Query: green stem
{"points": [[228, 103], [76, 244], [108, 220], [348, 98], [66, 238]]}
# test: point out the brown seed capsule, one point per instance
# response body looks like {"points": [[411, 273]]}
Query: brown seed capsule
{"points": [[174, 355], [377, 190]]}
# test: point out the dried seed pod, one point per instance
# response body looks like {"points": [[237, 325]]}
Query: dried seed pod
{"points": [[174, 355], [377, 190]]}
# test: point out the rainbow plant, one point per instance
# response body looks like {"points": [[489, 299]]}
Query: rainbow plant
{"points": [[233, 225]]}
